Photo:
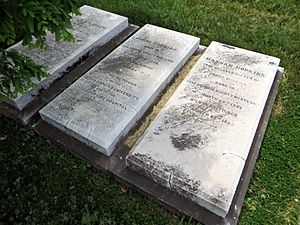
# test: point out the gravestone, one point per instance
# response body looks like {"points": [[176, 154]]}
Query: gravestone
{"points": [[198, 143], [92, 29], [102, 106]]}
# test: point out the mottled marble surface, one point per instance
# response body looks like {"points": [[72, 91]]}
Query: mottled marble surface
{"points": [[198, 143], [106, 102], [93, 28]]}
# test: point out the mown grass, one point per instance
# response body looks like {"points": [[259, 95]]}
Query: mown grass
{"points": [[44, 184]]}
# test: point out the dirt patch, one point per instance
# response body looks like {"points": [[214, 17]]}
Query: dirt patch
{"points": [[278, 109]]}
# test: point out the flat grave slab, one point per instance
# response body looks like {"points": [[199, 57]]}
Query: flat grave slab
{"points": [[30, 113], [115, 166], [102, 106], [198, 144], [92, 29]]}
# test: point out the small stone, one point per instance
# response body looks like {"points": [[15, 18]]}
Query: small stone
{"points": [[3, 138]]}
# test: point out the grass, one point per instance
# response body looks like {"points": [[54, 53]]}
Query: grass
{"points": [[43, 184]]}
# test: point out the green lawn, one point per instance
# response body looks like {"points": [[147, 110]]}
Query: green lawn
{"points": [[43, 184]]}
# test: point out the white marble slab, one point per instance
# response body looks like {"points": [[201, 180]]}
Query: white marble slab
{"points": [[93, 28], [199, 142], [106, 102]]}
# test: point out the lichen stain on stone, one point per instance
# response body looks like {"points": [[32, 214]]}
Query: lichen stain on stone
{"points": [[163, 172], [190, 127], [174, 178], [118, 62], [187, 141], [220, 198], [186, 184], [240, 59]]}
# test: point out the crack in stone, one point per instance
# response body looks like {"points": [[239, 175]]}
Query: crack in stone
{"points": [[66, 125], [224, 153], [88, 137], [130, 107], [170, 180]]}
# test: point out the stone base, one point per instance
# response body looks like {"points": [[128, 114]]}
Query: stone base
{"points": [[115, 166], [30, 112]]}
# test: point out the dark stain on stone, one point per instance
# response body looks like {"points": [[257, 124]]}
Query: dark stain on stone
{"points": [[192, 124], [160, 172], [220, 198], [240, 59], [187, 141], [174, 178], [132, 58], [228, 46], [192, 186]]}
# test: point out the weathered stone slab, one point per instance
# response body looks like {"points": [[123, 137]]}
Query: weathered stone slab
{"points": [[102, 106], [198, 144], [93, 28]]}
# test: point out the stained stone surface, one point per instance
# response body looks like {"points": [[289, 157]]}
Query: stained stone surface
{"points": [[93, 28], [106, 102], [198, 143]]}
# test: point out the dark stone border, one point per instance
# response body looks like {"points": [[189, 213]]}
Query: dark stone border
{"points": [[30, 112], [115, 166]]}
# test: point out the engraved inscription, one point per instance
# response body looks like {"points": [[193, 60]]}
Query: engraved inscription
{"points": [[92, 29], [207, 127], [102, 105]]}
